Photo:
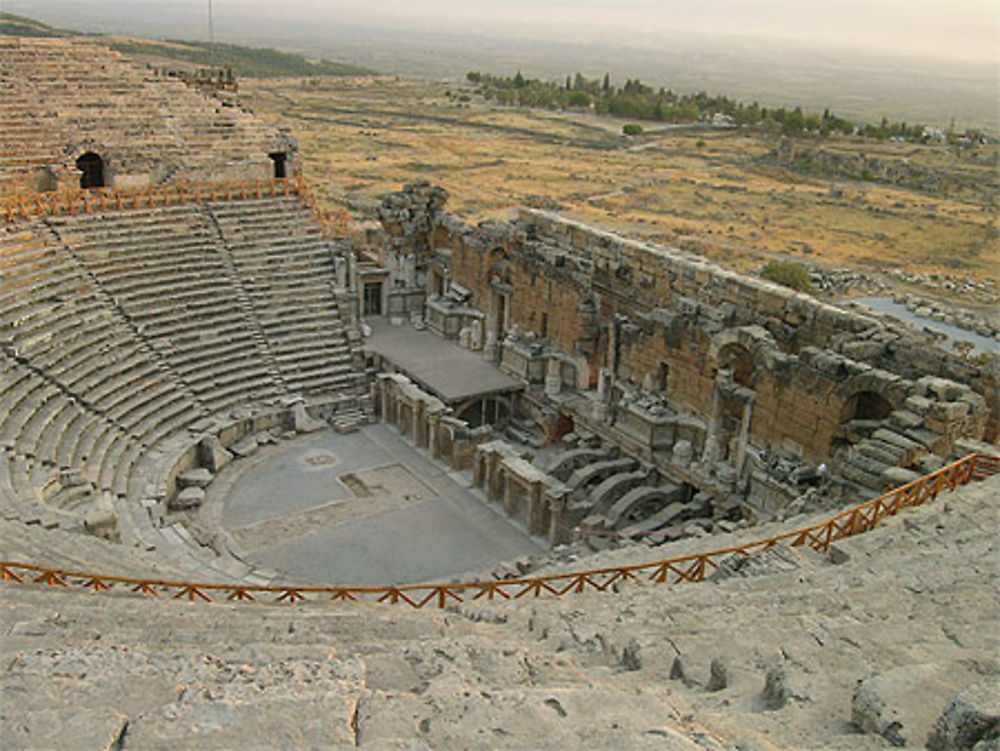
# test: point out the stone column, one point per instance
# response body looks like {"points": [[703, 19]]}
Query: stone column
{"points": [[509, 488], [744, 438], [433, 426], [558, 533], [535, 516], [603, 395], [419, 432], [713, 436], [553, 377]]}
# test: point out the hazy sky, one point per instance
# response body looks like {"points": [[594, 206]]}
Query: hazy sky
{"points": [[957, 29]]}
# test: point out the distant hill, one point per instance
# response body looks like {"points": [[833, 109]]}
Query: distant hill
{"points": [[257, 62], [19, 26]]}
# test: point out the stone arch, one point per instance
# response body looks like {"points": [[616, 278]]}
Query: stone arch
{"points": [[737, 358], [869, 396], [741, 349], [480, 411], [93, 170], [865, 405], [500, 267]]}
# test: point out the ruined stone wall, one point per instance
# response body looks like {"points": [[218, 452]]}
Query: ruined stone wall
{"points": [[663, 320], [64, 98]]}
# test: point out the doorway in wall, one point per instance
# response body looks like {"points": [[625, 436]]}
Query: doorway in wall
{"points": [[91, 167], [280, 160], [373, 299]]}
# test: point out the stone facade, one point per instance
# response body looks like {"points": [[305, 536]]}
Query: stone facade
{"points": [[669, 347], [67, 100]]}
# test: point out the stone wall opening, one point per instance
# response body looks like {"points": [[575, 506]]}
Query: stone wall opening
{"points": [[489, 411], [865, 405], [738, 359], [280, 160], [372, 303], [92, 171]]}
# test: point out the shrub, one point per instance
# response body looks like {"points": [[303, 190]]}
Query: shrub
{"points": [[788, 274], [632, 129]]}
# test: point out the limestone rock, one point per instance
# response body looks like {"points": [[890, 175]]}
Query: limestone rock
{"points": [[213, 454], [896, 703], [780, 687], [677, 670], [194, 478], [302, 422], [245, 447], [719, 677], [969, 721], [631, 657], [187, 498]]}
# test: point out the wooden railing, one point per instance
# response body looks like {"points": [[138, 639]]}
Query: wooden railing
{"points": [[20, 208], [63, 202], [687, 568]]}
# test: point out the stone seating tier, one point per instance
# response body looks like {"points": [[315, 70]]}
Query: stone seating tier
{"points": [[123, 330]]}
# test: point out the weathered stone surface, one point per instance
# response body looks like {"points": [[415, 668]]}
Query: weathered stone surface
{"points": [[302, 422], [718, 677], [213, 454], [245, 447], [970, 721], [897, 703], [187, 498], [197, 478]]}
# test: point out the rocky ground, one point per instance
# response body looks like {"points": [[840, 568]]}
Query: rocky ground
{"points": [[891, 640]]}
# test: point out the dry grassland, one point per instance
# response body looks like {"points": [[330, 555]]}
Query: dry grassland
{"points": [[709, 191]]}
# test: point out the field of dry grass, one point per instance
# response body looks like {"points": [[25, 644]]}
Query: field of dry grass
{"points": [[709, 191]]}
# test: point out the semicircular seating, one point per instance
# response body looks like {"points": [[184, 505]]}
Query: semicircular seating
{"points": [[126, 334]]}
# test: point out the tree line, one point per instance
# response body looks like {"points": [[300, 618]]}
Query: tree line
{"points": [[637, 100]]}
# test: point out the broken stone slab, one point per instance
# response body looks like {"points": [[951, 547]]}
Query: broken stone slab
{"points": [[631, 656], [194, 478], [969, 721], [895, 477], [894, 703], [905, 419], [302, 422], [779, 688], [719, 676], [188, 498], [890, 436], [245, 447], [213, 454]]}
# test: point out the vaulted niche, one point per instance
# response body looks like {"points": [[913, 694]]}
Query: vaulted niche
{"points": [[280, 160], [91, 167]]}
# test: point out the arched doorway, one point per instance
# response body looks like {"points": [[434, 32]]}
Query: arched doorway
{"points": [[865, 405], [738, 359], [491, 410], [91, 167], [280, 160]]}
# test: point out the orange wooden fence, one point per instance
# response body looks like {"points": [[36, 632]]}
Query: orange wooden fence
{"points": [[20, 208], [151, 196], [687, 568]]}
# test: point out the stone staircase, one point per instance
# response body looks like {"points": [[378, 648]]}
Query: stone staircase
{"points": [[122, 331], [787, 649]]}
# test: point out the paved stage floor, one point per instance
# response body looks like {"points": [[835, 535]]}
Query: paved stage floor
{"points": [[365, 508], [452, 373]]}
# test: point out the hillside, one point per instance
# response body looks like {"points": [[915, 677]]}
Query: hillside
{"points": [[244, 61], [738, 197]]}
